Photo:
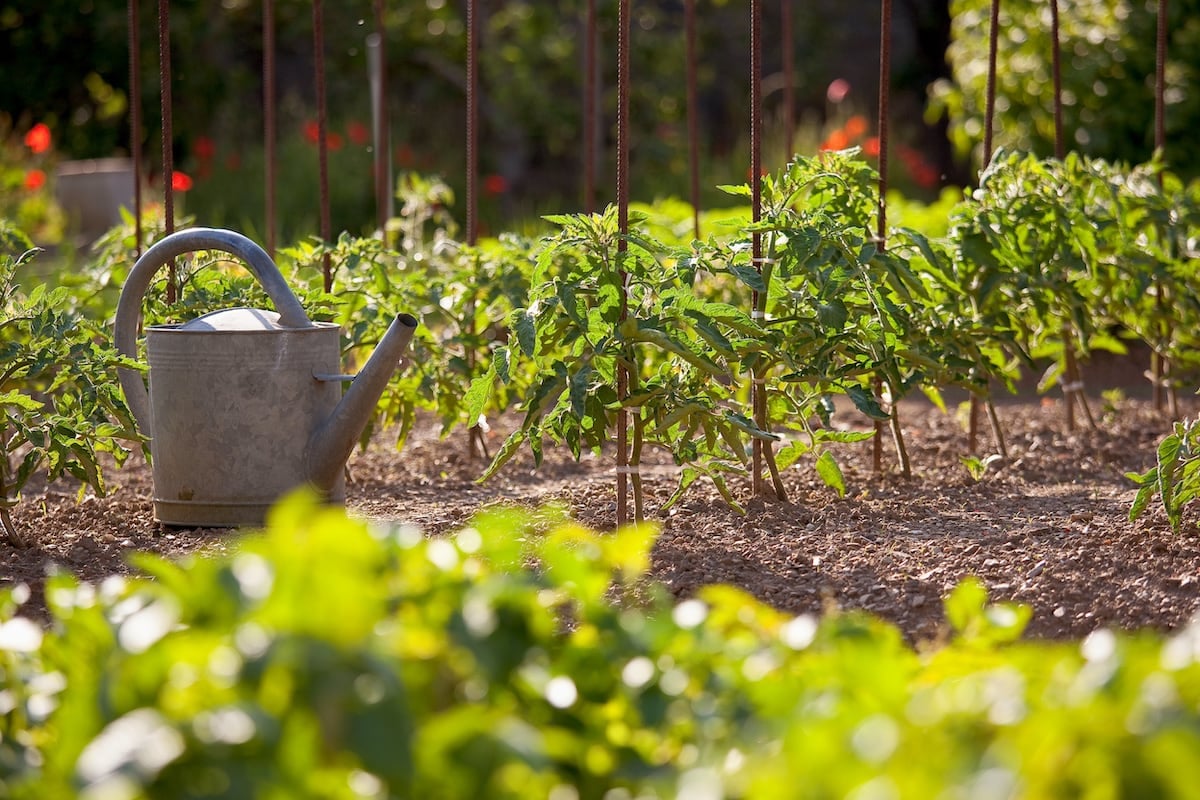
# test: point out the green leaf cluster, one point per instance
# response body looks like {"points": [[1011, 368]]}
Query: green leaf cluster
{"points": [[59, 403], [1175, 477], [523, 656]]}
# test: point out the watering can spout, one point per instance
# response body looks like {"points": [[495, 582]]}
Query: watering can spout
{"points": [[331, 443]]}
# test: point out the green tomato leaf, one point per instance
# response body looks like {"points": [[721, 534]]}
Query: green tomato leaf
{"points": [[830, 473]]}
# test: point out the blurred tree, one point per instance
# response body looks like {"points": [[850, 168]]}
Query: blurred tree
{"points": [[1108, 74], [66, 62]]}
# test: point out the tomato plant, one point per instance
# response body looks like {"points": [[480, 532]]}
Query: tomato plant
{"points": [[59, 405]]}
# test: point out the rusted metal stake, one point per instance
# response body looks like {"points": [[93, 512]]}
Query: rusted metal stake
{"points": [[789, 82], [1159, 367], [589, 108], [757, 300], [383, 178], [168, 155], [135, 119], [623, 468], [322, 135], [472, 122], [693, 115], [1060, 148], [989, 108], [269, 124]]}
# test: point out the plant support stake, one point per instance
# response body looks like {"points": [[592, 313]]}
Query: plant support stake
{"points": [[322, 137], [477, 446], [622, 248], [168, 159], [269, 120], [135, 121]]}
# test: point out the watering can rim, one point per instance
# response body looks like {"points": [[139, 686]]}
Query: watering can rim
{"points": [[271, 317]]}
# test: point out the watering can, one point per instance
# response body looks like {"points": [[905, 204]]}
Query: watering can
{"points": [[244, 404]]}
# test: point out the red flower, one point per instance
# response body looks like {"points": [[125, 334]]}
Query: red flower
{"points": [[838, 140], [925, 175], [180, 181], [312, 131], [334, 141], [204, 148], [35, 179], [38, 138], [495, 184], [359, 134], [856, 126], [871, 146]]}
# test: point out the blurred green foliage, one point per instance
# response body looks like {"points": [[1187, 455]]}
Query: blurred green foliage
{"points": [[523, 656], [1108, 77]]}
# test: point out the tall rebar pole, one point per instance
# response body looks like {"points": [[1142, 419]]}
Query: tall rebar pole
{"points": [[168, 155], [383, 178], [269, 122], [789, 82], [1158, 366], [1160, 78], [135, 119], [989, 115], [693, 114], [622, 247], [1060, 149], [989, 107], [472, 122], [477, 444], [885, 90], [881, 207], [322, 135], [885, 93], [1072, 372], [589, 107], [757, 388]]}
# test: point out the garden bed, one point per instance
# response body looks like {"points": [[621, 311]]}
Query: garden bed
{"points": [[1049, 528]]}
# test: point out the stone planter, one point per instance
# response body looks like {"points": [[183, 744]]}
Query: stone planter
{"points": [[92, 193]]}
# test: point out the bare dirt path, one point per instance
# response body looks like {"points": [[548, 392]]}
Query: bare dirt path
{"points": [[1048, 528]]}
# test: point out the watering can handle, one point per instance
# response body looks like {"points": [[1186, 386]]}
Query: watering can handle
{"points": [[129, 308]]}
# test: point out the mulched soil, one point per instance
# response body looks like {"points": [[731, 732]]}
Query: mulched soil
{"points": [[1048, 528]]}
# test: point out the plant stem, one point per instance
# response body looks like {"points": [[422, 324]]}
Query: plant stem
{"points": [[997, 431], [1080, 397], [635, 460], [780, 490], [1158, 363], [877, 441], [6, 524], [898, 437], [1156, 380], [1069, 375], [973, 425]]}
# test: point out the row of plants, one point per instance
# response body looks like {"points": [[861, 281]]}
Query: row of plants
{"points": [[1045, 262], [330, 658]]}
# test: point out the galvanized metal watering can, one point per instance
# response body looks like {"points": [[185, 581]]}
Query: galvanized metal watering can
{"points": [[244, 404]]}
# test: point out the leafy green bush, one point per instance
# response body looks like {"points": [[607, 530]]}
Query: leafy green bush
{"points": [[59, 404], [1175, 477], [523, 656]]}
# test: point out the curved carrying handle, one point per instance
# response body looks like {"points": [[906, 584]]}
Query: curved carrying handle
{"points": [[129, 308]]}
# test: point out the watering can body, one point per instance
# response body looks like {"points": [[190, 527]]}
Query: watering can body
{"points": [[244, 405]]}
